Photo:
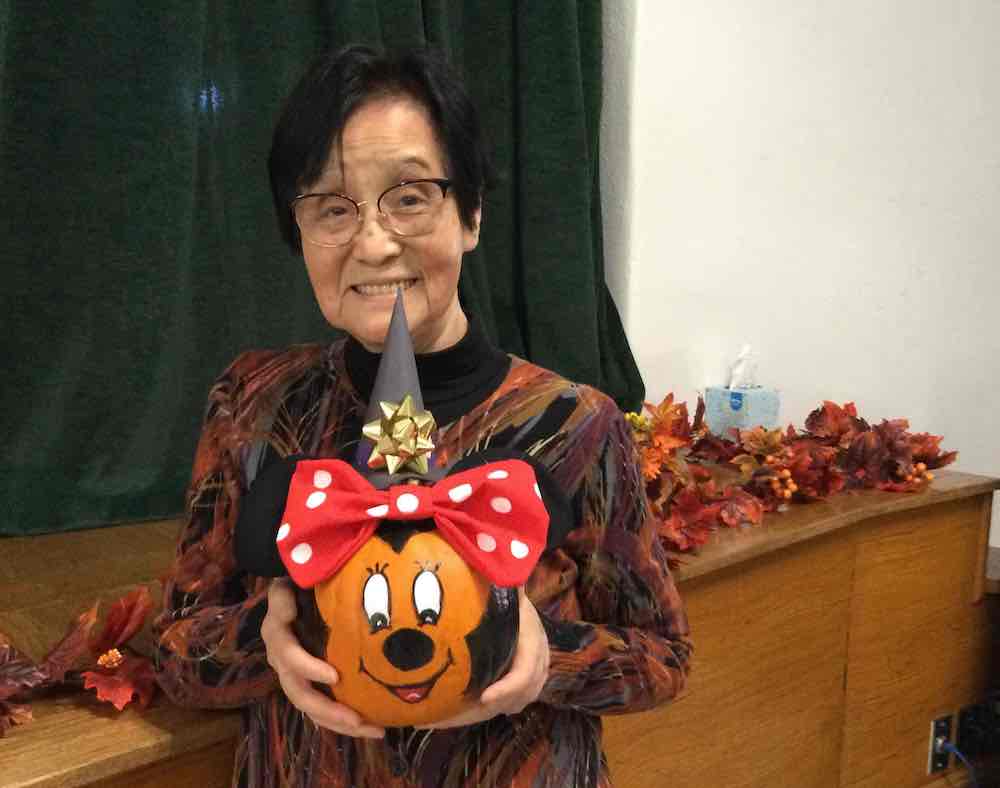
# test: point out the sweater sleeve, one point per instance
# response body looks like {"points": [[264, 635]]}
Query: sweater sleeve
{"points": [[209, 650], [624, 646]]}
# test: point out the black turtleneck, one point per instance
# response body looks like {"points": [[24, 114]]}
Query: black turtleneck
{"points": [[453, 381]]}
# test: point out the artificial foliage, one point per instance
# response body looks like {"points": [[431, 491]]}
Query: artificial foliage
{"points": [[101, 661], [837, 451]]}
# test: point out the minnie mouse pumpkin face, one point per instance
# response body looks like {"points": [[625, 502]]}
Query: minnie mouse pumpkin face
{"points": [[414, 596], [414, 633]]}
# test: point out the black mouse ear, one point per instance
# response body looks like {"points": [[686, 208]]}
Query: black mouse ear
{"points": [[555, 500], [260, 516]]}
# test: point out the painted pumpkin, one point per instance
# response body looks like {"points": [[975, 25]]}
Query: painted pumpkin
{"points": [[418, 613], [414, 633]]}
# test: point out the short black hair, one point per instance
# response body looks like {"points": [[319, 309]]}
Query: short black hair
{"points": [[336, 85]]}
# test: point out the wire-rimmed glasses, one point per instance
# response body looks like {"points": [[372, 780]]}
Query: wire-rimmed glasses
{"points": [[407, 209]]}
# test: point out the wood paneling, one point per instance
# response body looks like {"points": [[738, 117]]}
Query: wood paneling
{"points": [[211, 767], [764, 705], [75, 740], [822, 664], [920, 645]]}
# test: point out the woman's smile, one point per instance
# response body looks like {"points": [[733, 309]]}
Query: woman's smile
{"points": [[383, 288]]}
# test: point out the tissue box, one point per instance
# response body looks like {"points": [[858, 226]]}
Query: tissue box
{"points": [[740, 408]]}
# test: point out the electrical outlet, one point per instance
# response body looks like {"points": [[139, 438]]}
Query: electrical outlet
{"points": [[937, 761]]}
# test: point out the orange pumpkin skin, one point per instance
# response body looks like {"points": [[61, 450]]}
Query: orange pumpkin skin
{"points": [[397, 631]]}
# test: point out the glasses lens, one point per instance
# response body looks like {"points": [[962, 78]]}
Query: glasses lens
{"points": [[413, 208], [326, 219]]}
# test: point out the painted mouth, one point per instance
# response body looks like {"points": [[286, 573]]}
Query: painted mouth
{"points": [[385, 288], [411, 693]]}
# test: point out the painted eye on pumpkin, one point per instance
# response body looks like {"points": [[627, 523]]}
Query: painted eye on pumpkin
{"points": [[427, 597], [376, 601]]}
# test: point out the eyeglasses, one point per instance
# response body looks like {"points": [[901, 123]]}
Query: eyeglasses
{"points": [[407, 209]]}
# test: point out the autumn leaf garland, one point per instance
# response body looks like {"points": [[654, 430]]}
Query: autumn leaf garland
{"points": [[836, 451], [115, 671]]}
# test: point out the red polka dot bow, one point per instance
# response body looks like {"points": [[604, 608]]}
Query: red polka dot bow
{"points": [[492, 515]]}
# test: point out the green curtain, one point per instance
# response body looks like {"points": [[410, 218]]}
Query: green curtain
{"points": [[140, 249]]}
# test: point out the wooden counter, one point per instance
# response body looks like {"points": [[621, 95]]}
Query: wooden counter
{"points": [[826, 641]]}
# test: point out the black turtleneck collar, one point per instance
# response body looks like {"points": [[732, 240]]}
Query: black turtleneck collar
{"points": [[453, 381]]}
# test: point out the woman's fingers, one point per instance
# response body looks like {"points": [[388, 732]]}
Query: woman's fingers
{"points": [[297, 669], [281, 600], [327, 713], [299, 662], [284, 652]]}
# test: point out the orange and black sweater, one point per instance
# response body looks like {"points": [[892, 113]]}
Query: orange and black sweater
{"points": [[617, 631]]}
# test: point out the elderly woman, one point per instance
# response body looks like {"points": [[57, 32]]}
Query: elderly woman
{"points": [[378, 170]]}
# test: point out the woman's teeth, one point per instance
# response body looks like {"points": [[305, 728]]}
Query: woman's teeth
{"points": [[385, 289]]}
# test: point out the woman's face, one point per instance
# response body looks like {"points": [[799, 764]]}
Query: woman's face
{"points": [[384, 142]]}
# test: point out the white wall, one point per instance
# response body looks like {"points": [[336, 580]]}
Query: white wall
{"points": [[821, 180]]}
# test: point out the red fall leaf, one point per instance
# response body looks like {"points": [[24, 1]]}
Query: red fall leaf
{"points": [[739, 507], [134, 676], [814, 471], [712, 448], [835, 424], [73, 648], [18, 673], [125, 618], [682, 536], [927, 449], [867, 459]]}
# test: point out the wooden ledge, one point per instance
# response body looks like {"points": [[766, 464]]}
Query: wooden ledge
{"points": [[808, 521], [75, 740]]}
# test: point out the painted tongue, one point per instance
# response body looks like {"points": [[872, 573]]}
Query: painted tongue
{"points": [[412, 694]]}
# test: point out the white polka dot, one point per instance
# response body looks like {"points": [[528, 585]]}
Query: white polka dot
{"points": [[283, 531], [378, 511], [407, 503], [301, 553], [501, 505], [537, 491], [519, 549], [315, 499], [460, 493], [501, 474], [322, 479], [486, 543]]}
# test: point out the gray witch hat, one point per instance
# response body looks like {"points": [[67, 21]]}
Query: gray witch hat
{"points": [[396, 439]]}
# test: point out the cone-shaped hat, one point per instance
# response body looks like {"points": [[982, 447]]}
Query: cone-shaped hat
{"points": [[396, 442]]}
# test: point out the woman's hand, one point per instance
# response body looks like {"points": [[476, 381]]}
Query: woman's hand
{"points": [[296, 668], [524, 681]]}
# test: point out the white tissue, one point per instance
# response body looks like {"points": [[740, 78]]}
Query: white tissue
{"points": [[743, 372]]}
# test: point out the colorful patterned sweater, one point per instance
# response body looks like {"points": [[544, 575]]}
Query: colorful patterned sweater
{"points": [[617, 631]]}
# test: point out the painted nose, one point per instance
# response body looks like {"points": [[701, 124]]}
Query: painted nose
{"points": [[408, 649]]}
